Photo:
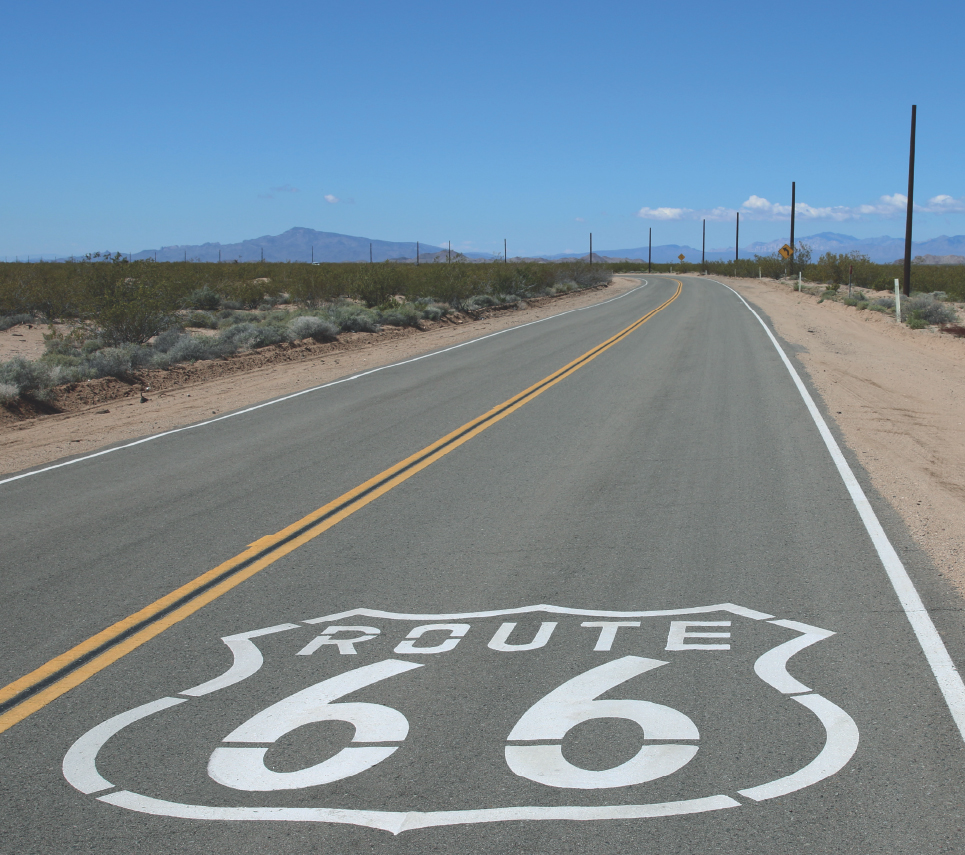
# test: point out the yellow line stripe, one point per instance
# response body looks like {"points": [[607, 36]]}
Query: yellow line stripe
{"points": [[279, 544]]}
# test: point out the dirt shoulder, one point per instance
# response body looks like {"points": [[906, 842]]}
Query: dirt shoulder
{"points": [[83, 417], [898, 396]]}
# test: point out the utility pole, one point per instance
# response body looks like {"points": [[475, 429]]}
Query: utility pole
{"points": [[313, 254], [219, 256], [911, 202], [703, 244], [737, 243], [449, 257], [591, 249], [505, 253], [791, 259], [370, 252], [649, 248], [417, 253]]}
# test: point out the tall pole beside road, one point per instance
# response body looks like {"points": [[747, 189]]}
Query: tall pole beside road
{"points": [[703, 244], [591, 249], [911, 202], [505, 253], [417, 253], [370, 252], [737, 242], [791, 259], [649, 248]]}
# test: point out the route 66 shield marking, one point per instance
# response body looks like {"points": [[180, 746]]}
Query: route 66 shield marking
{"points": [[404, 721]]}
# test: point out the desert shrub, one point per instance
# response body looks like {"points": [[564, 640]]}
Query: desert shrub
{"points": [[861, 305], [885, 303], [166, 340], [309, 326], [479, 301], [405, 315], [928, 310], [202, 320], [24, 376], [204, 298], [229, 319], [8, 392], [433, 313], [849, 301], [829, 293], [250, 336], [917, 323], [190, 348], [354, 318], [13, 320], [110, 362]]}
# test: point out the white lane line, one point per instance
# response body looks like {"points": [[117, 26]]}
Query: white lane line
{"points": [[274, 401], [941, 664]]}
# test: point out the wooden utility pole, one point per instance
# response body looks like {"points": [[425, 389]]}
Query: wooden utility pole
{"points": [[911, 202], [703, 244], [649, 248], [790, 261], [737, 241]]}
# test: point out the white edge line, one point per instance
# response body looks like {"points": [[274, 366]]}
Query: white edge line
{"points": [[946, 674], [558, 610], [284, 398]]}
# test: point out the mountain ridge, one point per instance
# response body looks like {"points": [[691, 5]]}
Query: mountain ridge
{"points": [[303, 244]]}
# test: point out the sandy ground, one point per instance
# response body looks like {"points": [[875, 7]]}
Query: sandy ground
{"points": [[108, 411], [898, 396]]}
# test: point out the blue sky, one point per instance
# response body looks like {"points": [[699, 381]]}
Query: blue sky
{"points": [[131, 126]]}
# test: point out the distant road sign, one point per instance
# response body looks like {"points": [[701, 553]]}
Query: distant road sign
{"points": [[786, 251], [681, 256]]}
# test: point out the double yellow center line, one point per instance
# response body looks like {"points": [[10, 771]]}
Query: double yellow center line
{"points": [[30, 693]]}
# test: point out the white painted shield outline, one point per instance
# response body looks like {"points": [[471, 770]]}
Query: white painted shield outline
{"points": [[841, 740]]}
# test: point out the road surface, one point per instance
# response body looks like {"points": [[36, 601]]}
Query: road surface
{"points": [[594, 584]]}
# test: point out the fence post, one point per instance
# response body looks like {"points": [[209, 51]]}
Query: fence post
{"points": [[897, 302]]}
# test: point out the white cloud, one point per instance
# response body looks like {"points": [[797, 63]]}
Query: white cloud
{"points": [[667, 214], [759, 208], [945, 205], [331, 199], [580, 220]]}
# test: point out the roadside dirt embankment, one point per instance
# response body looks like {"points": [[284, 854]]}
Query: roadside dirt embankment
{"points": [[87, 416], [898, 396]]}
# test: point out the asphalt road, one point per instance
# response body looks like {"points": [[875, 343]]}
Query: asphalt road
{"points": [[634, 610]]}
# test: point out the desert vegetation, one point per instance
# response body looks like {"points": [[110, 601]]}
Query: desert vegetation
{"points": [[829, 269], [109, 317]]}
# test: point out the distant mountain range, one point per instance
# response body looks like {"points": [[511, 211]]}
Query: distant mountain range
{"points": [[301, 244], [296, 244], [883, 250]]}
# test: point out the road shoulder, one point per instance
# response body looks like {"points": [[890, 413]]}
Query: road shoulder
{"points": [[898, 397]]}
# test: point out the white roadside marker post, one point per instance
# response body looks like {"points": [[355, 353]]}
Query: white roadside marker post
{"points": [[897, 302]]}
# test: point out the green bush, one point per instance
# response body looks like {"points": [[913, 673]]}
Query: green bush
{"points": [[204, 298]]}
